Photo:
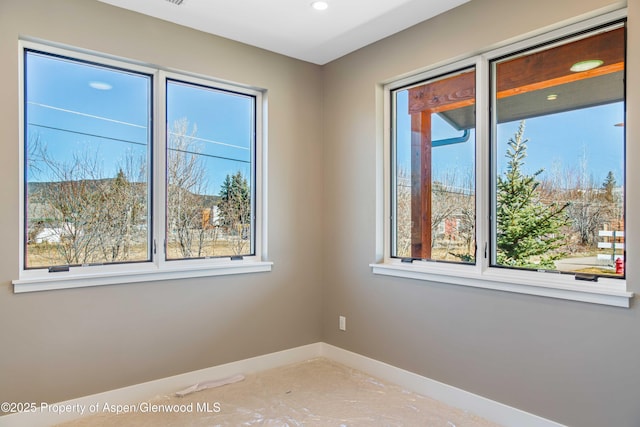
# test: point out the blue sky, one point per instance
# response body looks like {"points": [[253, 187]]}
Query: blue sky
{"points": [[224, 123], [107, 114], [567, 138], [558, 140], [80, 108]]}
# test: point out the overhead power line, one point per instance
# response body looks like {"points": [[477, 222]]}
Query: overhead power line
{"points": [[144, 144], [93, 116]]}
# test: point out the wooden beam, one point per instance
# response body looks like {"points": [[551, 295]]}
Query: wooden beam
{"points": [[443, 95], [600, 71], [554, 63], [531, 72], [421, 185]]}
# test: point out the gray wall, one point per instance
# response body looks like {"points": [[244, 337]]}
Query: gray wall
{"points": [[572, 362], [64, 344]]}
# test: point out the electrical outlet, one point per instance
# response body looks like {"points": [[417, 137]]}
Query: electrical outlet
{"points": [[343, 323]]}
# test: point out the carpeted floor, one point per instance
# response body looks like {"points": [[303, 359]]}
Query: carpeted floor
{"points": [[317, 392]]}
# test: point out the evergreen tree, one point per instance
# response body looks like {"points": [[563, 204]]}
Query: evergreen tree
{"points": [[526, 227], [608, 186], [234, 207]]}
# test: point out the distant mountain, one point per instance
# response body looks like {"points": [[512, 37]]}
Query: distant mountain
{"points": [[37, 189]]}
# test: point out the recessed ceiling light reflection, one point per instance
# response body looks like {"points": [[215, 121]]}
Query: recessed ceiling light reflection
{"points": [[100, 85], [587, 65], [319, 5]]}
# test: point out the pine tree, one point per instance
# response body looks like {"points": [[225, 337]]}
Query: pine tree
{"points": [[234, 207], [527, 229], [608, 186]]}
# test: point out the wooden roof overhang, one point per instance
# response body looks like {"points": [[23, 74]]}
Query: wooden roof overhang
{"points": [[521, 90]]}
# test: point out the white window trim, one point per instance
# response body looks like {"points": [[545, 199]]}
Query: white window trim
{"points": [[158, 268], [606, 291]]}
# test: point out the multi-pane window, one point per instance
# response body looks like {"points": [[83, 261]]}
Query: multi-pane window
{"points": [[128, 167], [558, 185], [434, 169], [509, 165]]}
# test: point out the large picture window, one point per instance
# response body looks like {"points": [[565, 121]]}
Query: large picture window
{"points": [[210, 134], [87, 151], [503, 168], [558, 182], [133, 173]]}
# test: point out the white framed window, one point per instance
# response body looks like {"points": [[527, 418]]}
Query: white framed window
{"points": [[133, 173], [506, 170], [433, 168], [210, 178]]}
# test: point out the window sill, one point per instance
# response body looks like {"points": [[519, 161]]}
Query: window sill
{"points": [[114, 275], [608, 292]]}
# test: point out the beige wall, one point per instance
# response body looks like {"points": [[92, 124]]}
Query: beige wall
{"points": [[575, 363], [572, 362], [63, 344]]}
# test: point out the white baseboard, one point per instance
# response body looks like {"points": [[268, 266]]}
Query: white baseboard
{"points": [[486, 408], [45, 417]]}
